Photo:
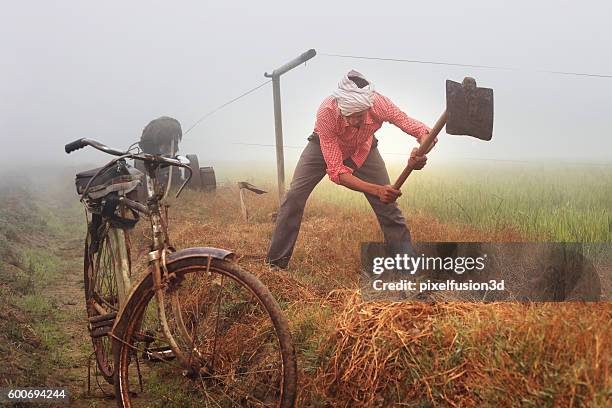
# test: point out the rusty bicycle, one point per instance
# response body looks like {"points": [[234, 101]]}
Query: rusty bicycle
{"points": [[197, 329]]}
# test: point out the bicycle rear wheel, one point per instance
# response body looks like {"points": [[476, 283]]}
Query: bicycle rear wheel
{"points": [[102, 292], [229, 328]]}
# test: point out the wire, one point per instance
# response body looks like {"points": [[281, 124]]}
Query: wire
{"points": [[413, 61], [465, 65], [218, 108]]}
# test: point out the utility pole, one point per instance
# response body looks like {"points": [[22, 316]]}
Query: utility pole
{"points": [[278, 122]]}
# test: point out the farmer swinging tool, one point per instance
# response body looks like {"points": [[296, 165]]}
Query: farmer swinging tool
{"points": [[469, 111]]}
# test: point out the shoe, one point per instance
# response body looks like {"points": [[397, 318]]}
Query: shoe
{"points": [[279, 264]]}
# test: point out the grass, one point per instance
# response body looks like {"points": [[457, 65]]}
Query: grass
{"points": [[546, 202], [32, 330], [470, 355], [553, 203]]}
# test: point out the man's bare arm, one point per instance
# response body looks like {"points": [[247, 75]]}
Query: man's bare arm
{"points": [[385, 193]]}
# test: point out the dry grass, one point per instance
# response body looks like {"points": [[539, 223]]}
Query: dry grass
{"points": [[354, 353], [470, 354]]}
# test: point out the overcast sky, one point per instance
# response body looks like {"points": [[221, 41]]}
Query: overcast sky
{"points": [[102, 70]]}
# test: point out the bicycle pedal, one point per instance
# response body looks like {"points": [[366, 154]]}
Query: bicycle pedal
{"points": [[102, 318], [146, 337], [157, 354], [100, 326], [100, 331]]}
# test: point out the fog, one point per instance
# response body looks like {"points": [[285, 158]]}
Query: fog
{"points": [[72, 69]]}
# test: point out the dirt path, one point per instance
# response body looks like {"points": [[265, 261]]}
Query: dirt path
{"points": [[72, 319], [67, 297]]}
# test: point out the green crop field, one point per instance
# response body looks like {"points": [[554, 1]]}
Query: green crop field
{"points": [[561, 203], [571, 204]]}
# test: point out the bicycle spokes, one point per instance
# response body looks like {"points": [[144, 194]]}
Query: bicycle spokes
{"points": [[231, 351]]}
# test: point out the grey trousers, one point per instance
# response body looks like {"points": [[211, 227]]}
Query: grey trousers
{"points": [[311, 168]]}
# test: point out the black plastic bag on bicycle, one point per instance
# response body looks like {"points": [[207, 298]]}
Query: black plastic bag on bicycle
{"points": [[109, 212], [103, 197], [121, 178]]}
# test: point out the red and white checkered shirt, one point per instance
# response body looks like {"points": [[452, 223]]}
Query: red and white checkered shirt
{"points": [[339, 140]]}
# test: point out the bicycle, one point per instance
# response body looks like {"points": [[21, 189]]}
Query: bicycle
{"points": [[197, 329]]}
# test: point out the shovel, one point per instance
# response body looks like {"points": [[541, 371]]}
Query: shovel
{"points": [[469, 112]]}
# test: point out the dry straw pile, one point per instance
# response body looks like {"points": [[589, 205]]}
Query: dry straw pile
{"points": [[460, 354]]}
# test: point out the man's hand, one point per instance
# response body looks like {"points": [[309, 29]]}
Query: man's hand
{"points": [[417, 162], [387, 194]]}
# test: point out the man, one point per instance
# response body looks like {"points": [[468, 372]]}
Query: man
{"points": [[343, 146]]}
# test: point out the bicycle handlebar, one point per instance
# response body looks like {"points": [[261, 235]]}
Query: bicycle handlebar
{"points": [[80, 143], [77, 144]]}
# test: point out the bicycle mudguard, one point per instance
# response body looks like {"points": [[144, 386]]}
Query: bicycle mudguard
{"points": [[172, 263], [200, 252]]}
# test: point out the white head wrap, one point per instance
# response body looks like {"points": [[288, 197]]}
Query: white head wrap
{"points": [[352, 99]]}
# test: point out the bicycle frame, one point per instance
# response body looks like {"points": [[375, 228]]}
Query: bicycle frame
{"points": [[117, 239], [157, 256], [160, 254]]}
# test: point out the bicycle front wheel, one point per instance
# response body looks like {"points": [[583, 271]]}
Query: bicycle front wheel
{"points": [[232, 334], [102, 265]]}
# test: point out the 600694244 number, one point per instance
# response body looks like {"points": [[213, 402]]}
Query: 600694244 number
{"points": [[31, 394]]}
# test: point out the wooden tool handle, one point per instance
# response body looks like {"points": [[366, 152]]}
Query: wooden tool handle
{"points": [[424, 148]]}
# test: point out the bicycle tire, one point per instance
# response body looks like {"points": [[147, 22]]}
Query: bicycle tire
{"points": [[210, 385], [101, 288]]}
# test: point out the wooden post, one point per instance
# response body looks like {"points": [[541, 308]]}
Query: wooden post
{"points": [[244, 186], [278, 131], [278, 122], [243, 206]]}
